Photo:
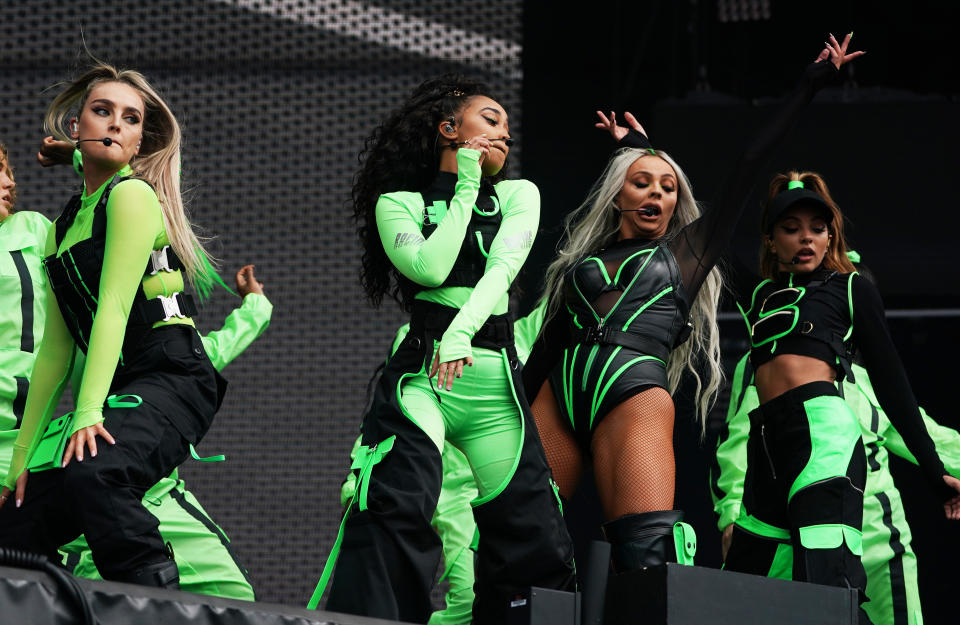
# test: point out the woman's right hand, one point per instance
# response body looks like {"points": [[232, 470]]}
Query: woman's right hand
{"points": [[247, 282], [952, 506], [21, 489], [616, 131], [481, 144], [837, 52]]}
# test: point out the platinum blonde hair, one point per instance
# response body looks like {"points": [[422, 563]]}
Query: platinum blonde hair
{"points": [[595, 224], [158, 161]]}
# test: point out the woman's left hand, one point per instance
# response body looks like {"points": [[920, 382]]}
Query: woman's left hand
{"points": [[447, 371], [53, 152], [616, 131], [837, 52], [952, 507], [86, 437]]}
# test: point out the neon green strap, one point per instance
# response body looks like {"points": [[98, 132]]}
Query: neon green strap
{"points": [[684, 543], [215, 458], [123, 401], [757, 527], [367, 458]]}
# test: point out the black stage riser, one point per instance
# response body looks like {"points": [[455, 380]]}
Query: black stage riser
{"points": [[31, 598], [690, 595]]}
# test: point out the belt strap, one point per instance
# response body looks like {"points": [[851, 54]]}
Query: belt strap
{"points": [[164, 259], [162, 308], [609, 336]]}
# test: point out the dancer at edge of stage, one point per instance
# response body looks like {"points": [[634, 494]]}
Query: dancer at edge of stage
{"points": [[23, 235], [453, 521], [446, 239], [888, 558], [804, 484], [115, 258], [638, 261]]}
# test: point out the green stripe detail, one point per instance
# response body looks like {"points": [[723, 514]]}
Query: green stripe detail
{"points": [[645, 306], [76, 272], [633, 280], [613, 378], [596, 390], [850, 303], [576, 321], [568, 384], [586, 368], [603, 268], [485, 253], [585, 301], [628, 259]]}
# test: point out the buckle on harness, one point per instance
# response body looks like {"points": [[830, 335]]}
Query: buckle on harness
{"points": [[595, 335], [171, 307], [160, 262]]}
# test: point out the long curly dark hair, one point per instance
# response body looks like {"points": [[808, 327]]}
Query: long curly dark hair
{"points": [[403, 154]]}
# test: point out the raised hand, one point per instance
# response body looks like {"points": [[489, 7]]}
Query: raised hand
{"points": [[618, 132], [247, 282], [837, 52]]}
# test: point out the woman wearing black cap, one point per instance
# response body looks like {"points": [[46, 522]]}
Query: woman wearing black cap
{"points": [[803, 491]]}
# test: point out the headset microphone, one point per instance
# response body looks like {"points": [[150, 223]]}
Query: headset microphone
{"points": [[107, 141], [647, 211], [793, 261]]}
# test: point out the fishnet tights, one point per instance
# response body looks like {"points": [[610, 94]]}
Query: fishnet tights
{"points": [[632, 452]]}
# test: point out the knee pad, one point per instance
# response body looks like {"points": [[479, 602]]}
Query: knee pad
{"points": [[648, 539]]}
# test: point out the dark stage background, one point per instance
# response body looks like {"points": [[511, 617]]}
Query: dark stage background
{"points": [[276, 97]]}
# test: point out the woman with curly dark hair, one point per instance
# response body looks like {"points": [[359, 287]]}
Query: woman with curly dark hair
{"points": [[446, 242]]}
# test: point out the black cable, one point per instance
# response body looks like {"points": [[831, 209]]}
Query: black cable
{"points": [[66, 582]]}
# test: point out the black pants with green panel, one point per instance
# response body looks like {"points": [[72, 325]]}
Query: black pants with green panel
{"points": [[178, 391], [390, 553], [803, 491]]}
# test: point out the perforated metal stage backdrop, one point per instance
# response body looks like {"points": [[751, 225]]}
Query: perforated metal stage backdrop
{"points": [[275, 98]]}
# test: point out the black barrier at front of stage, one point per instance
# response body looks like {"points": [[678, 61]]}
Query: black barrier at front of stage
{"points": [[30, 597], [671, 595]]}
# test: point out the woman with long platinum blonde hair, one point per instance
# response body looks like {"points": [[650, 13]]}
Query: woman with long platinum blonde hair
{"points": [[629, 308]]}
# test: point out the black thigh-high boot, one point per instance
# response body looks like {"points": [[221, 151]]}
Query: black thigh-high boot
{"points": [[638, 541]]}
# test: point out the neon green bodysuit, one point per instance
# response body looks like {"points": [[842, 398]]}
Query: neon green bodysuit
{"points": [[479, 415]]}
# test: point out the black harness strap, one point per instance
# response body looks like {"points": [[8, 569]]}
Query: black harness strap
{"points": [[598, 335]]}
